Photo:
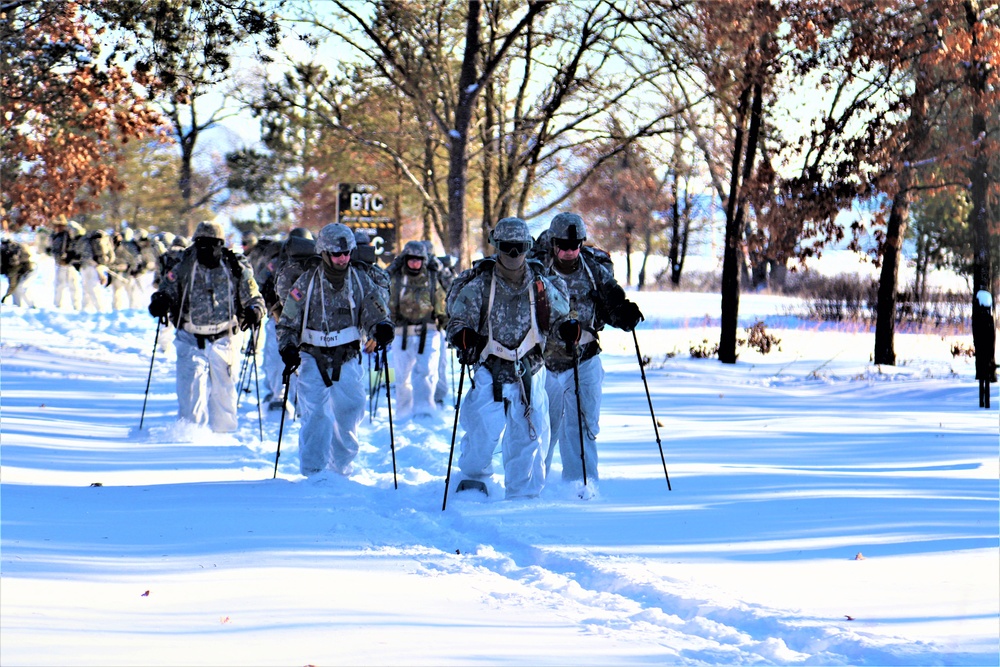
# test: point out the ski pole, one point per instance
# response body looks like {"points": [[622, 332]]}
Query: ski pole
{"points": [[579, 411], [286, 378], [388, 404], [370, 392], [156, 340], [656, 430], [378, 383], [256, 381], [454, 430]]}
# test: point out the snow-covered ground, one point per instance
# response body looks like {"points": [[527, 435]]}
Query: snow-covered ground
{"points": [[824, 511]]}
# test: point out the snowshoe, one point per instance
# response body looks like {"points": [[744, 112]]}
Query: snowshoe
{"points": [[474, 484]]}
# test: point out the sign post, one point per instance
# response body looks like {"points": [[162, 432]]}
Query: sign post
{"points": [[362, 208]]}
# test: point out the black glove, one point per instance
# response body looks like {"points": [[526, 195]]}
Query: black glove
{"points": [[570, 331], [252, 316], [159, 305], [629, 316], [383, 334], [469, 344], [290, 355]]}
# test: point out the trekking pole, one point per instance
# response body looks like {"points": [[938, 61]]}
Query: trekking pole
{"points": [[656, 430], [388, 404], [379, 369], [256, 381], [156, 340], [454, 430], [286, 379], [243, 386], [579, 412], [370, 391]]}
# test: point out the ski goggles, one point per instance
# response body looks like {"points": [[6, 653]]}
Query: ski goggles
{"points": [[513, 248], [568, 244]]}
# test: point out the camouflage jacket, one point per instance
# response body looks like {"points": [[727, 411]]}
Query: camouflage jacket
{"points": [[318, 315], [204, 299], [510, 318], [415, 299], [62, 246], [594, 298]]}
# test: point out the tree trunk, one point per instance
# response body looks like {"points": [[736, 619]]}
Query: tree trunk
{"points": [[675, 222], [628, 255], [885, 317], [982, 267], [735, 215]]}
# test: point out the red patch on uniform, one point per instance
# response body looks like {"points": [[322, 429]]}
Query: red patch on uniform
{"points": [[171, 277], [295, 294]]}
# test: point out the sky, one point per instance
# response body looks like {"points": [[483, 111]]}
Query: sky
{"points": [[824, 510]]}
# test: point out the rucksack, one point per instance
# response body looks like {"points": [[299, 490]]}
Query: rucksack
{"points": [[14, 259], [486, 265]]}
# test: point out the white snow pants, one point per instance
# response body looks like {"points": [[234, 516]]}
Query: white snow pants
{"points": [[328, 438], [121, 293], [523, 434], [22, 294], [564, 422], [93, 286], [416, 374], [206, 382], [441, 390], [67, 284], [273, 365]]}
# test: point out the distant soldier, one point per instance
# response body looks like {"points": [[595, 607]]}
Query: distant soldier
{"points": [[17, 264], [297, 253], [210, 294], [62, 247], [417, 307], [446, 275], [97, 252], [121, 274], [596, 300], [502, 311], [984, 337], [330, 308]]}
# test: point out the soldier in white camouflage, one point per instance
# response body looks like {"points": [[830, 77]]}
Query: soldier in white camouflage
{"points": [[210, 294], [417, 306], [97, 253], [329, 310], [62, 247], [596, 300], [502, 311]]}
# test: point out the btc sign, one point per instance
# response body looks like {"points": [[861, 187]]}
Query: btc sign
{"points": [[362, 208]]}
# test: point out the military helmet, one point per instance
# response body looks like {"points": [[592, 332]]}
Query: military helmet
{"points": [[568, 226], [510, 229], [248, 238], [511, 237], [361, 237], [301, 232], [415, 249], [127, 234], [207, 229], [335, 237]]}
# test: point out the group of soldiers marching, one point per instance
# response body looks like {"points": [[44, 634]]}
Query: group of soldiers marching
{"points": [[523, 322], [94, 270]]}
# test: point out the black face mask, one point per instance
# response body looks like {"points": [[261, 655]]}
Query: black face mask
{"points": [[208, 251]]}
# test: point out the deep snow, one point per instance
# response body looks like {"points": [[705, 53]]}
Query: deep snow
{"points": [[824, 511]]}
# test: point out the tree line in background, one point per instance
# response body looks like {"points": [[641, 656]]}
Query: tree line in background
{"points": [[652, 118]]}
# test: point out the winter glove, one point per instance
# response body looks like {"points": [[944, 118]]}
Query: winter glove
{"points": [[569, 332], [252, 316], [383, 334], [290, 355], [469, 344], [159, 305], [629, 316]]}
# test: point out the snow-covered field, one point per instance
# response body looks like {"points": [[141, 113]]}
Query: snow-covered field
{"points": [[824, 511]]}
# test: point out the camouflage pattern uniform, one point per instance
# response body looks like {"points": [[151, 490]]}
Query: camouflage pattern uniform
{"points": [[295, 254], [96, 253], [16, 263], [417, 306], [507, 404], [121, 278], [596, 299], [324, 318], [62, 247], [207, 304], [445, 277]]}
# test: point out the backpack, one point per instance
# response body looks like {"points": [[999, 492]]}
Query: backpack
{"points": [[14, 259], [100, 247], [486, 265]]}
